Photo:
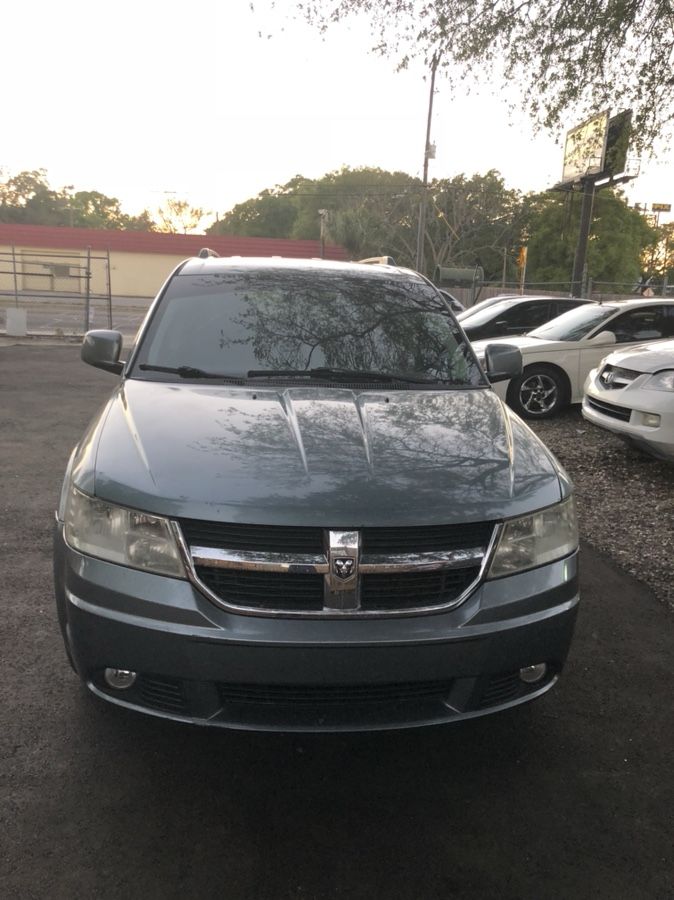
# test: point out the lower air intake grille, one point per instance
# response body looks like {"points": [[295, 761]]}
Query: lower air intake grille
{"points": [[501, 688], [162, 693], [333, 694], [610, 409]]}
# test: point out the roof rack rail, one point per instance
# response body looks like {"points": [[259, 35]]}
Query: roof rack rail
{"points": [[378, 261], [205, 252]]}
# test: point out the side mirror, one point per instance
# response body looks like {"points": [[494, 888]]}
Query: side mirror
{"points": [[604, 337], [502, 362], [102, 349]]}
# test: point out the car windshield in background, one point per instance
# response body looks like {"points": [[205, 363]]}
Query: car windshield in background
{"points": [[485, 304], [574, 324], [482, 316], [288, 325]]}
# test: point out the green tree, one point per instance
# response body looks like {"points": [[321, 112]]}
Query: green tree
{"points": [[91, 209], [28, 199], [659, 258], [142, 222], [367, 210], [373, 212], [620, 239], [178, 217], [473, 222], [271, 214], [370, 211], [580, 56]]}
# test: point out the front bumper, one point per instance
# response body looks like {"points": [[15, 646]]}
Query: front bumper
{"points": [[623, 412], [199, 663]]}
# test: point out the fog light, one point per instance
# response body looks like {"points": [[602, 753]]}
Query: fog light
{"points": [[119, 679], [651, 419], [532, 674]]}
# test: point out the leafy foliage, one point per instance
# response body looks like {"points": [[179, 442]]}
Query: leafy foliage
{"points": [[659, 259], [372, 212], [620, 239], [476, 221], [28, 199], [580, 56], [178, 217]]}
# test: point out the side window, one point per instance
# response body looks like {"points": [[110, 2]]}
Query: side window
{"points": [[563, 306], [645, 324], [509, 316], [531, 315], [668, 322]]}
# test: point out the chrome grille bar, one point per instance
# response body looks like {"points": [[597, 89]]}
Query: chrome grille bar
{"points": [[254, 561], [371, 563]]}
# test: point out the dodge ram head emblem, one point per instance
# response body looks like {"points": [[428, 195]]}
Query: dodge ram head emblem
{"points": [[343, 566]]}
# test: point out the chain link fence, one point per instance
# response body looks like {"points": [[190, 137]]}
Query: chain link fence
{"points": [[66, 294], [63, 294], [594, 290]]}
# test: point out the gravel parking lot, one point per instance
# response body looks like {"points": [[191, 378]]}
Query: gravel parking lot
{"points": [[570, 797], [625, 498]]}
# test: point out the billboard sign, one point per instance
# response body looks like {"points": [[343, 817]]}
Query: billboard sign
{"points": [[585, 148], [661, 207], [617, 143]]}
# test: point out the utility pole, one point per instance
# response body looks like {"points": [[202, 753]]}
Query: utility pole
{"points": [[322, 213], [579, 261], [421, 231]]}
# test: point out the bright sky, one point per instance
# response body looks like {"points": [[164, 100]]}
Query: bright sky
{"points": [[154, 98]]}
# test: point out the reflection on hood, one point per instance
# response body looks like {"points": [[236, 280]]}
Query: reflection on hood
{"points": [[319, 456]]}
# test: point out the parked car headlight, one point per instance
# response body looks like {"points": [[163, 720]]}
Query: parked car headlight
{"points": [[535, 540], [661, 381], [120, 535]]}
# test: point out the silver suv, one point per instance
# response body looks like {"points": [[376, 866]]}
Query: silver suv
{"points": [[304, 508]]}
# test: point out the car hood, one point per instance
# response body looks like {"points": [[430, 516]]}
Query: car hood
{"points": [[315, 456], [645, 357]]}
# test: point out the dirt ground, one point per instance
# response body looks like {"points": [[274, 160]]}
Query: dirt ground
{"points": [[571, 797]]}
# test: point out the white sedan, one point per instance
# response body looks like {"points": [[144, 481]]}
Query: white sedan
{"points": [[558, 356], [632, 394]]}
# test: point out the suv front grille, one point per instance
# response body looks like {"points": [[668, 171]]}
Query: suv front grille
{"points": [[264, 590], [289, 539], [615, 377], [313, 571], [266, 538], [426, 538], [410, 589]]}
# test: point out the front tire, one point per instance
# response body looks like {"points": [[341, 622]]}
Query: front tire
{"points": [[539, 393]]}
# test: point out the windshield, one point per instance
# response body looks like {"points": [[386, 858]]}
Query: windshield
{"points": [[322, 326], [478, 308], [574, 324], [482, 316]]}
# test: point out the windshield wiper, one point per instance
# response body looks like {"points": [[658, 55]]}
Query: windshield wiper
{"points": [[327, 372], [187, 372], [320, 372]]}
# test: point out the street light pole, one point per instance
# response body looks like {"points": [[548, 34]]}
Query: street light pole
{"points": [[424, 195]]}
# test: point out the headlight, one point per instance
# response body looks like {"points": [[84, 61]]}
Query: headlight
{"points": [[120, 535], [535, 540], [661, 381]]}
